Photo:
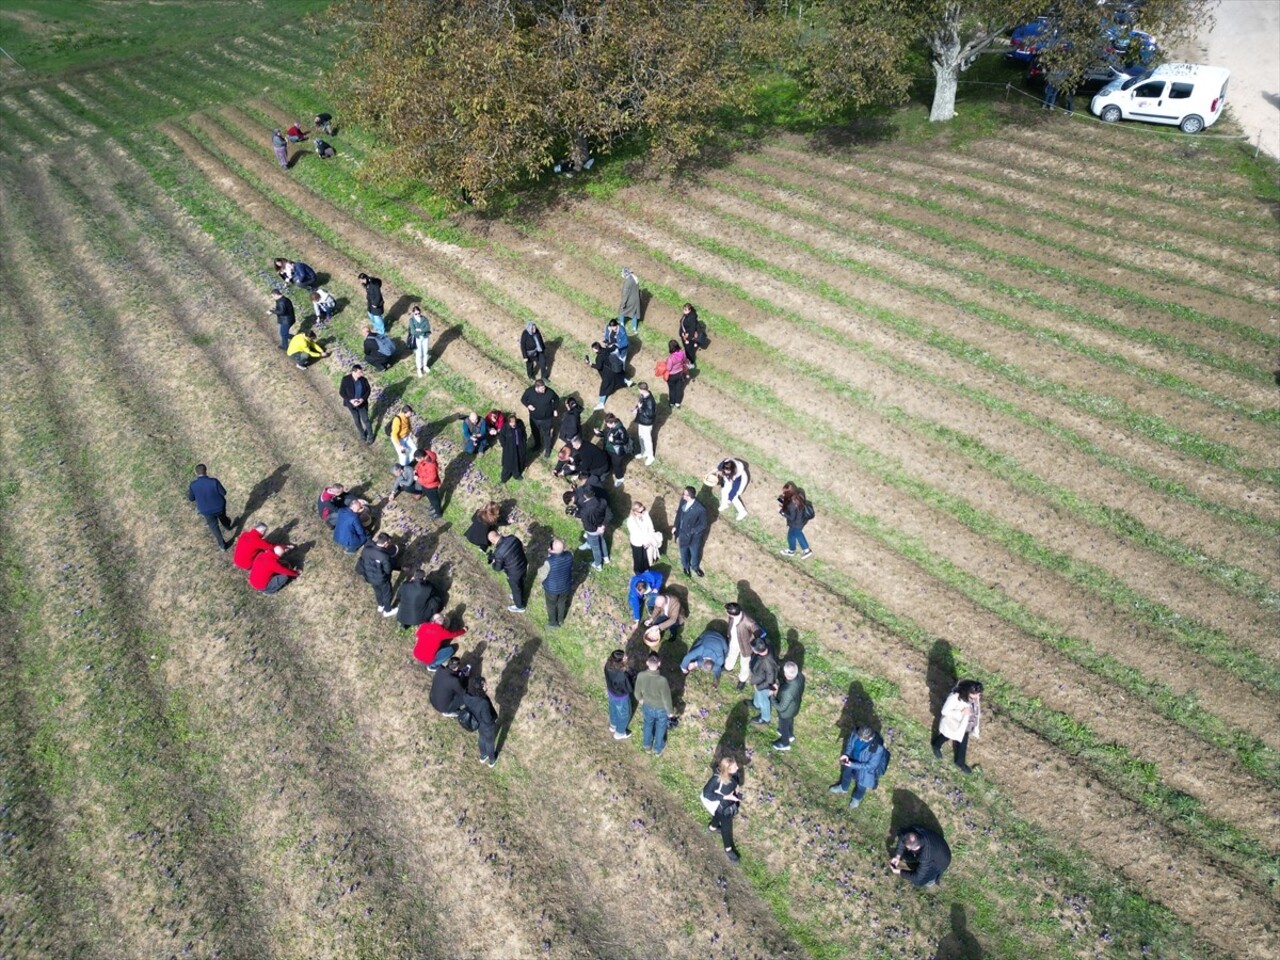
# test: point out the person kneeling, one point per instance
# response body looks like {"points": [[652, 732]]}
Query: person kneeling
{"points": [[268, 574]]}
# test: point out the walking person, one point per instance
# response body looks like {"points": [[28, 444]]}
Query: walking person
{"points": [[653, 694], [348, 528], [534, 351], [645, 540], [402, 440], [921, 856], [677, 374], [615, 337], [690, 531], [721, 797], [377, 565], [961, 718], [281, 147], [515, 448], [796, 508], [617, 444], [688, 332], [863, 762], [764, 677], [707, 653], [743, 633], [593, 513], [419, 600], [432, 646], [733, 480], [629, 305], [282, 310], [210, 498], [619, 686], [355, 390], [790, 693], [543, 405], [267, 573], [556, 577], [427, 474], [373, 301], [610, 367], [478, 704], [420, 339], [508, 557], [646, 413]]}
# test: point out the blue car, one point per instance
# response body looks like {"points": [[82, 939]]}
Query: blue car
{"points": [[1028, 38]]}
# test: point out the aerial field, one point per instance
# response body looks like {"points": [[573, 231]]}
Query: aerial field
{"points": [[1025, 367]]}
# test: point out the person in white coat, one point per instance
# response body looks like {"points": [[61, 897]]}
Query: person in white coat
{"points": [[732, 474], [645, 540], [961, 718]]}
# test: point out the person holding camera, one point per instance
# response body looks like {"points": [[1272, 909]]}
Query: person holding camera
{"points": [[864, 761], [721, 797], [507, 556], [617, 446], [921, 856], [594, 514]]}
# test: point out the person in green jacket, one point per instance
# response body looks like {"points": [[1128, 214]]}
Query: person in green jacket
{"points": [[653, 694], [790, 692]]}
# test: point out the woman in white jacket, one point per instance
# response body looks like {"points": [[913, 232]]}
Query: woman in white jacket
{"points": [[645, 540], [733, 478], [961, 716]]}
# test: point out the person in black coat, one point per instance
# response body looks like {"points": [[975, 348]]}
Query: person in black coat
{"points": [[590, 460], [921, 857], [377, 565], [354, 390], [593, 511], [483, 522], [610, 367], [282, 310], [419, 600], [690, 531], [543, 405], [373, 297], [508, 557], [446, 688], [571, 422], [477, 702], [210, 498], [534, 351], [689, 332], [515, 447]]}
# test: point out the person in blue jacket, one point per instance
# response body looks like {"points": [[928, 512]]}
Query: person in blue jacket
{"points": [[864, 760], [556, 577], [210, 498], [707, 653], [348, 532], [302, 275], [641, 591]]}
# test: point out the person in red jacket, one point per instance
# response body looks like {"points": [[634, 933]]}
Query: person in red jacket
{"points": [[249, 544], [427, 473], [268, 574], [431, 648]]}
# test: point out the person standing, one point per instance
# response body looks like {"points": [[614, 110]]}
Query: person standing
{"points": [[427, 474], [629, 305], [571, 422], [733, 484], [677, 374], [373, 301], [646, 413], [653, 694], [304, 351], [798, 511], [619, 686], [377, 566], [402, 440], [721, 797], [477, 701], [764, 677], [617, 445], [865, 759], [610, 367], [645, 540], [543, 405], [281, 147], [743, 633], [689, 332], [419, 600], [921, 856], [556, 577], [432, 646], [210, 498], [593, 512], [267, 573], [534, 351], [690, 531], [508, 557], [790, 693], [420, 339], [249, 544], [615, 337], [282, 310], [707, 653], [447, 688], [515, 448], [961, 718], [642, 591], [354, 390]]}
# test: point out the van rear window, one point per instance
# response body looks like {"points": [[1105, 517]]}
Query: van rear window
{"points": [[1180, 91]]}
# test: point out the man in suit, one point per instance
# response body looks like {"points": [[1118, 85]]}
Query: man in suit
{"points": [[355, 391], [211, 502], [743, 632], [690, 531]]}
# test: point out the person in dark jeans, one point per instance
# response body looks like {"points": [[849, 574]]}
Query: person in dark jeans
{"points": [[961, 717], [721, 797], [354, 390], [653, 694], [690, 531], [556, 576], [477, 701], [211, 502], [508, 557], [619, 686], [790, 694], [921, 857], [447, 688], [543, 405], [282, 310], [377, 565]]}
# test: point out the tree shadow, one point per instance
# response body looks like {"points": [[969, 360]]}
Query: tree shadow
{"points": [[391, 395], [438, 344], [940, 677], [959, 944], [859, 711], [755, 608], [859, 132], [909, 811], [513, 685], [262, 491], [399, 308], [733, 741]]}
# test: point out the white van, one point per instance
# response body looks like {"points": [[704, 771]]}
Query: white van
{"points": [[1186, 95]]}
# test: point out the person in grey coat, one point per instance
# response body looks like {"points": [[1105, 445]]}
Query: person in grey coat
{"points": [[629, 307]]}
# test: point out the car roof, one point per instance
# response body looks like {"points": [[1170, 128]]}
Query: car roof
{"points": [[1188, 71]]}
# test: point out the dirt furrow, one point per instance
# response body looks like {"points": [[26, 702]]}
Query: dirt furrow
{"points": [[592, 775]]}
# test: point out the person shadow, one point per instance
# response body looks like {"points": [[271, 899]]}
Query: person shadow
{"points": [[940, 677], [672, 652], [398, 309], [391, 395], [795, 650], [474, 658], [552, 348], [909, 811], [513, 685], [959, 944], [262, 491], [733, 741], [661, 522], [440, 343], [859, 711]]}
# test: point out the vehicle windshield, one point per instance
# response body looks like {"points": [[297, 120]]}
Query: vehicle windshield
{"points": [[1127, 82]]}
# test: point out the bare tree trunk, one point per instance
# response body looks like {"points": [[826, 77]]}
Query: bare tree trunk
{"points": [[944, 47]]}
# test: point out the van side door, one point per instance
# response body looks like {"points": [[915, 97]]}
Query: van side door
{"points": [[1150, 103]]}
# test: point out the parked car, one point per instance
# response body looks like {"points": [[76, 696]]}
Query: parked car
{"points": [[1189, 96], [1027, 39], [1130, 46], [1093, 81]]}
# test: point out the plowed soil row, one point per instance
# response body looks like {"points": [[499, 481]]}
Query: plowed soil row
{"points": [[352, 233], [530, 832], [349, 231]]}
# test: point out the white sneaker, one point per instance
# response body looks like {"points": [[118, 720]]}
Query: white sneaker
{"points": [[598, 406], [390, 613], [618, 483], [622, 736], [514, 609], [648, 461]]}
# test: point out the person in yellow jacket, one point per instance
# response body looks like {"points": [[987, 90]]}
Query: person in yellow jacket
{"points": [[304, 351], [402, 436]]}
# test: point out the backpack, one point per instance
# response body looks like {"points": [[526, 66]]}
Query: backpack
{"points": [[883, 765], [629, 446], [467, 720], [616, 363], [660, 369], [808, 513]]}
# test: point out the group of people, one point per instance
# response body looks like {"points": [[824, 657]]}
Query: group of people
{"points": [[280, 140]]}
